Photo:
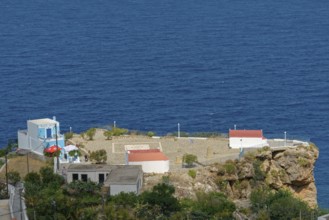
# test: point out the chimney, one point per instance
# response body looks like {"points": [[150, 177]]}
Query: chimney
{"points": [[54, 118]]}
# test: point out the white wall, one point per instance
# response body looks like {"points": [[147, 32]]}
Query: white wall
{"points": [[116, 189], [236, 142], [23, 141], [161, 166], [32, 129]]}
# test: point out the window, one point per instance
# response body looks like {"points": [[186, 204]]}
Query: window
{"points": [[75, 176], [84, 177], [101, 178]]}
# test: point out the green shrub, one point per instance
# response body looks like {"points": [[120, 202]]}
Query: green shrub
{"points": [[91, 133], [116, 131], [192, 173], [108, 134], [99, 156], [75, 153], [230, 167], [150, 133]]}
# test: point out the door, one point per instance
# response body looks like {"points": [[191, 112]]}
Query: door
{"points": [[101, 178]]}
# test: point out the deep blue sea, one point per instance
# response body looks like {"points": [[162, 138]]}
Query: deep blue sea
{"points": [[148, 65]]}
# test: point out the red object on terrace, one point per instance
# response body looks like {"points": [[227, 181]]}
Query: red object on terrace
{"points": [[246, 133], [52, 149]]}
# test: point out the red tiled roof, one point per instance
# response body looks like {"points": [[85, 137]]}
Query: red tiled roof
{"points": [[144, 151], [246, 133], [150, 156]]}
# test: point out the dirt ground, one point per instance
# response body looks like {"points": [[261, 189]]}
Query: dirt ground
{"points": [[208, 150], [21, 164]]}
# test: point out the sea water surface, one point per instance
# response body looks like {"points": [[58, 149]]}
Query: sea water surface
{"points": [[149, 65]]}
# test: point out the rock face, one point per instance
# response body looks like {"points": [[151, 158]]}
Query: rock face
{"points": [[290, 168]]}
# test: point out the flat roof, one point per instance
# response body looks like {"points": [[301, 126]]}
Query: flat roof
{"points": [[43, 121], [124, 174], [89, 167]]}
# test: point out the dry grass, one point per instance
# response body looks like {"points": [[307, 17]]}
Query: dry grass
{"points": [[19, 164]]}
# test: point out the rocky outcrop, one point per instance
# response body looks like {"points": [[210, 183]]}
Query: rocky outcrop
{"points": [[290, 168]]}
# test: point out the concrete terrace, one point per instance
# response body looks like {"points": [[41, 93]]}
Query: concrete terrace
{"points": [[208, 150]]}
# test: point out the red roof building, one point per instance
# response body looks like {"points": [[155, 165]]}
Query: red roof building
{"points": [[149, 156], [152, 160], [247, 139]]}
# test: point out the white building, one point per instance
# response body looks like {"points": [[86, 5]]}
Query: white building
{"points": [[116, 178], [152, 160], [40, 134], [247, 139]]}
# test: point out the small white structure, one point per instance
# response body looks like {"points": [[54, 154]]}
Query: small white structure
{"points": [[70, 159], [152, 160], [40, 134], [247, 139]]}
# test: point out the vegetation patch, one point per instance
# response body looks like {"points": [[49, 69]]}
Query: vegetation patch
{"points": [[192, 173], [303, 162], [230, 167], [98, 156]]}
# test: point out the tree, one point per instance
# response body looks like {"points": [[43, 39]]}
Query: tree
{"points": [[189, 159], [91, 133], [108, 134], [99, 156], [278, 205], [49, 178], [162, 196]]}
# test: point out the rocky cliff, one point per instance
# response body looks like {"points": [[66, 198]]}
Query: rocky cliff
{"points": [[286, 168]]}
